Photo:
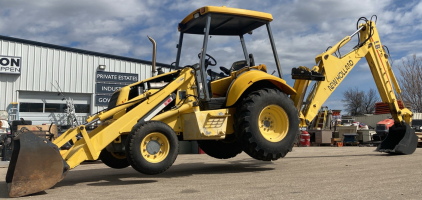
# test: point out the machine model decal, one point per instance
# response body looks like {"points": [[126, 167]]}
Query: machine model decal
{"points": [[340, 75]]}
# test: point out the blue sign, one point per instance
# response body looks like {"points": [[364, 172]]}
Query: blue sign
{"points": [[102, 100], [107, 88], [104, 90], [116, 77]]}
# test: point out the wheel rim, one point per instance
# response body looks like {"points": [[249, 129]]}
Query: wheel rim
{"points": [[118, 155], [155, 147], [273, 123]]}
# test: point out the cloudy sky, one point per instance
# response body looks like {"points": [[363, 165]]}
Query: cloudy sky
{"points": [[302, 30]]}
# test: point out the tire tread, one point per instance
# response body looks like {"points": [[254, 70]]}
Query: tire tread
{"points": [[137, 135], [243, 125]]}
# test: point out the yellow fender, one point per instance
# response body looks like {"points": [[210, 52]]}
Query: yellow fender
{"points": [[245, 80]]}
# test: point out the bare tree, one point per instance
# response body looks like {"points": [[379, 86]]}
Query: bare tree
{"points": [[369, 100], [411, 82], [353, 100], [358, 103]]}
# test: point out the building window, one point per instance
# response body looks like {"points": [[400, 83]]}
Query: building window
{"points": [[52, 107], [82, 108], [55, 107], [31, 107]]}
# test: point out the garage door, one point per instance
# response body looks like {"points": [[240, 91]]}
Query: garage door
{"points": [[49, 107]]}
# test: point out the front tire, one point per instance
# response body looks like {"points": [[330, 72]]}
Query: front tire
{"points": [[267, 124], [152, 147]]}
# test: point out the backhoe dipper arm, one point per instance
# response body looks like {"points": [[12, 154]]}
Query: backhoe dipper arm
{"points": [[335, 69]]}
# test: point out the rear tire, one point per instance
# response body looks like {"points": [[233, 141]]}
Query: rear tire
{"points": [[267, 124], [114, 160], [220, 149], [152, 147]]}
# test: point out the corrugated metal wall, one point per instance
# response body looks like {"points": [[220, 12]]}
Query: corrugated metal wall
{"points": [[372, 120], [417, 116], [41, 66]]}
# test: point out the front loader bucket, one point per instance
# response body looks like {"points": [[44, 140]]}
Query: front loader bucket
{"points": [[36, 165], [400, 140]]}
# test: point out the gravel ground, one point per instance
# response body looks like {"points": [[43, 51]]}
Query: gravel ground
{"points": [[305, 173]]}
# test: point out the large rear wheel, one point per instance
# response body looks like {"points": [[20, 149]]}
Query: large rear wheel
{"points": [[267, 124], [152, 147]]}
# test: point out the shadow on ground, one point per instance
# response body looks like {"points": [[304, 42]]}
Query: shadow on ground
{"points": [[109, 176], [112, 177], [341, 156]]}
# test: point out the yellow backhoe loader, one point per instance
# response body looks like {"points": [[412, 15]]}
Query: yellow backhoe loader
{"points": [[243, 109]]}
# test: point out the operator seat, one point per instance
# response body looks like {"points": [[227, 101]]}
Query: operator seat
{"points": [[242, 63], [238, 65]]}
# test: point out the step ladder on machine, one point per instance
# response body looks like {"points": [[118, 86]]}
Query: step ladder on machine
{"points": [[322, 115]]}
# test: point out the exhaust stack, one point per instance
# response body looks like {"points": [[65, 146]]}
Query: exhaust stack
{"points": [[154, 51]]}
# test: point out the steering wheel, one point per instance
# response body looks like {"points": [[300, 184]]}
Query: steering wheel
{"points": [[207, 60]]}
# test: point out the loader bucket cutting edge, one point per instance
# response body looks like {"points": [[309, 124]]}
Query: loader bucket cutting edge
{"points": [[400, 140], [35, 166]]}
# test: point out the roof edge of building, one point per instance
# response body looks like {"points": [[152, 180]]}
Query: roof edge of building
{"points": [[53, 46]]}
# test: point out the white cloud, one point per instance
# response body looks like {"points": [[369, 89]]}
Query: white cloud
{"points": [[302, 29], [119, 47]]}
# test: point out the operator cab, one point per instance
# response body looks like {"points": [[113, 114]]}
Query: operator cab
{"points": [[221, 21]]}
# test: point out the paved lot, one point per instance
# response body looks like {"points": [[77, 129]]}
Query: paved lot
{"points": [[305, 173]]}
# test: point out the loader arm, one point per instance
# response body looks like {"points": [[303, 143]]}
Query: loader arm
{"points": [[402, 139], [39, 164], [335, 69], [90, 146]]}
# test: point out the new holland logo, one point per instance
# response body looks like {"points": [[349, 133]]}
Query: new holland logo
{"points": [[10, 65]]}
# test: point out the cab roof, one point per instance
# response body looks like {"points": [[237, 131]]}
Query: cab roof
{"points": [[224, 21]]}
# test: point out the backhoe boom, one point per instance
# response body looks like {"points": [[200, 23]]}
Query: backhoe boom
{"points": [[334, 69]]}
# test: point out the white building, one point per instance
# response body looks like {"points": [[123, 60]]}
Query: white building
{"points": [[29, 69]]}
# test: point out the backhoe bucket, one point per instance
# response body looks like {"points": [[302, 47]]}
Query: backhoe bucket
{"points": [[36, 165], [400, 140]]}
